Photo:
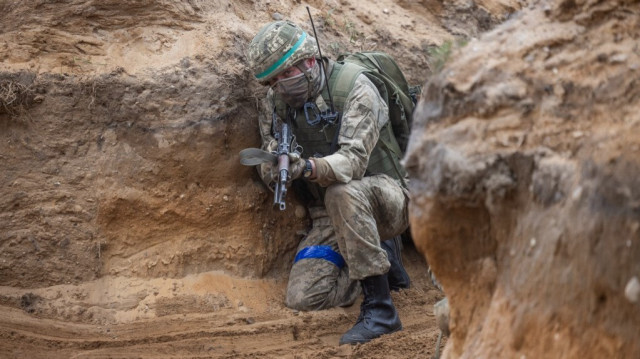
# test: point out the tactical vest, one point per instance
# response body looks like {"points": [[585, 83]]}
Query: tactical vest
{"points": [[316, 141]]}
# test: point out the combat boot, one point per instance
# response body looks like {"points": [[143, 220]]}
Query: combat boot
{"points": [[398, 276], [378, 316]]}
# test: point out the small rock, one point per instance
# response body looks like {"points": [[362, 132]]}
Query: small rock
{"points": [[577, 134], [577, 193], [277, 16], [441, 311], [300, 212], [250, 320], [226, 198], [532, 243], [632, 290], [618, 58], [386, 11]]}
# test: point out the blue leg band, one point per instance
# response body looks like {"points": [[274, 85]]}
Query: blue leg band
{"points": [[321, 252]]}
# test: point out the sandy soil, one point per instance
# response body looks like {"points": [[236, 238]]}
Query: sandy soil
{"points": [[209, 315]]}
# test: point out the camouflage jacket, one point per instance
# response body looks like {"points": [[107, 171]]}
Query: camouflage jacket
{"points": [[364, 114]]}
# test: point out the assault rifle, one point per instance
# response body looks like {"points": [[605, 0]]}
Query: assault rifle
{"points": [[287, 146], [286, 141]]}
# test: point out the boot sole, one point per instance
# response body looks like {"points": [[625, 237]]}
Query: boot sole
{"points": [[368, 340]]}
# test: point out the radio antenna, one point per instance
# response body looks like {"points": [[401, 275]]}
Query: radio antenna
{"points": [[324, 72]]}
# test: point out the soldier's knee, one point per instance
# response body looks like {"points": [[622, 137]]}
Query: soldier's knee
{"points": [[334, 192], [308, 302], [339, 193]]}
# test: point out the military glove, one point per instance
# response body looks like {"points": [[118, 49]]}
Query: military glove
{"points": [[324, 173], [269, 170], [270, 173], [296, 166]]}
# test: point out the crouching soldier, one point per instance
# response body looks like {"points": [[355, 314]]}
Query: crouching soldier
{"points": [[354, 186]]}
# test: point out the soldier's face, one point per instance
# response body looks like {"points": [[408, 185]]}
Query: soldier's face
{"points": [[291, 71], [287, 73]]}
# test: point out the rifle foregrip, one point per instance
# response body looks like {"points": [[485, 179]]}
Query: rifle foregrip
{"points": [[283, 163]]}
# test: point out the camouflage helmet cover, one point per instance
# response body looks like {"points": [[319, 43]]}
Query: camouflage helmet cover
{"points": [[277, 46]]}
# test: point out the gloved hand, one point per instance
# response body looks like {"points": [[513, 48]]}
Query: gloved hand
{"points": [[270, 174], [296, 166], [269, 170]]}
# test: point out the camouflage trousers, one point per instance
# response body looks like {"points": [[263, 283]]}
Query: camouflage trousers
{"points": [[343, 245]]}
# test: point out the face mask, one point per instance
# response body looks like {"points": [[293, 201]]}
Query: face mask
{"points": [[296, 90]]}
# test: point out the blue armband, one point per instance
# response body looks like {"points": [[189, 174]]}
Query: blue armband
{"points": [[321, 252]]}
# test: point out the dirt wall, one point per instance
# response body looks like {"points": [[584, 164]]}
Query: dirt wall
{"points": [[121, 124], [525, 200], [117, 164], [117, 175]]}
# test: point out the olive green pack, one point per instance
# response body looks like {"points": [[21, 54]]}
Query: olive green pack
{"points": [[385, 73]]}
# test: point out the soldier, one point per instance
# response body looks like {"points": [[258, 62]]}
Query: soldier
{"points": [[354, 187]]}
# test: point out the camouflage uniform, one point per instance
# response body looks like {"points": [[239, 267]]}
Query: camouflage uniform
{"points": [[356, 211]]}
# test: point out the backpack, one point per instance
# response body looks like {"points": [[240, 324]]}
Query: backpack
{"points": [[385, 73]]}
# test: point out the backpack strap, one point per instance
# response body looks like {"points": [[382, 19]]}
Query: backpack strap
{"points": [[342, 79]]}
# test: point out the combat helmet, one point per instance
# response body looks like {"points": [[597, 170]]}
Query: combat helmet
{"points": [[277, 46]]}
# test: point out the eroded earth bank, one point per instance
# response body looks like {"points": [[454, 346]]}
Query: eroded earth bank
{"points": [[128, 228], [526, 190]]}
